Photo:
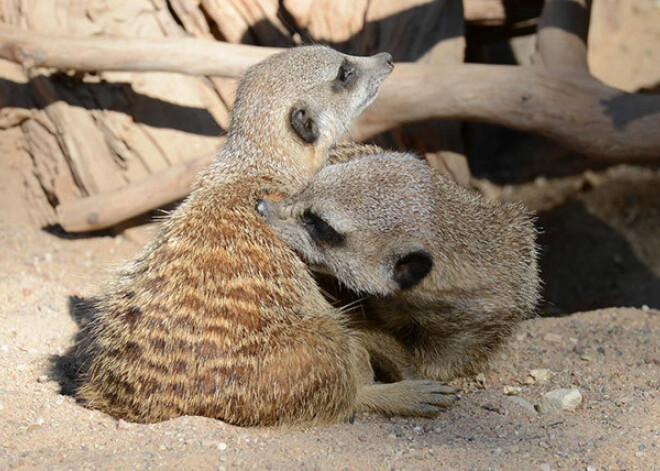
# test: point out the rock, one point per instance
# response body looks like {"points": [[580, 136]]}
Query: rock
{"points": [[525, 404], [481, 380], [42, 379], [396, 430], [495, 408], [540, 375], [560, 400], [222, 446], [552, 337], [123, 425], [511, 390]]}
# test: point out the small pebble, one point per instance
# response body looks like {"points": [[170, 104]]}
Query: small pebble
{"points": [[362, 438], [585, 358], [42, 379], [541, 375], [481, 380], [495, 408], [545, 467], [525, 404], [512, 390], [123, 425], [551, 337], [396, 430], [560, 400], [222, 446]]}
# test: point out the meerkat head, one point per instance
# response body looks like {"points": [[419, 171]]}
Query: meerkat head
{"points": [[368, 222], [302, 100]]}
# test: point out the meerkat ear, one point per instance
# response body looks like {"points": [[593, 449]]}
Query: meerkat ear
{"points": [[304, 120], [411, 268]]}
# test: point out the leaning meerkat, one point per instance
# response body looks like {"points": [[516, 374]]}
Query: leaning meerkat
{"points": [[216, 316], [447, 274]]}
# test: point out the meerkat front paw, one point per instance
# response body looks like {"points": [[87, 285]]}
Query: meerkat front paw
{"points": [[410, 398]]}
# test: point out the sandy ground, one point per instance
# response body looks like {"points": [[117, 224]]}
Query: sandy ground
{"points": [[611, 356]]}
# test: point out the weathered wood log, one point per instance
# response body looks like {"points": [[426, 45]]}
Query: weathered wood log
{"points": [[578, 112], [556, 97], [484, 11], [92, 54], [107, 209]]}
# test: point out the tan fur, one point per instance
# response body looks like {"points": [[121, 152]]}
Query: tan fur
{"points": [[217, 317], [484, 277]]}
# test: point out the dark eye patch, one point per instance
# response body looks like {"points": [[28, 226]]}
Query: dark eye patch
{"points": [[321, 231], [346, 76]]}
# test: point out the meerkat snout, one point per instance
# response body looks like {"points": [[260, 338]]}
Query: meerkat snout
{"points": [[386, 57]]}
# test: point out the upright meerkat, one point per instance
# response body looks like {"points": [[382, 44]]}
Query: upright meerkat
{"points": [[448, 274], [216, 316]]}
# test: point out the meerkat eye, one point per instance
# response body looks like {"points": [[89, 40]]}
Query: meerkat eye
{"points": [[322, 232], [345, 76]]}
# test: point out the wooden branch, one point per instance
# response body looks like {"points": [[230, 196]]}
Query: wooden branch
{"points": [[107, 209], [562, 36], [91, 54], [583, 115], [484, 11], [556, 98]]}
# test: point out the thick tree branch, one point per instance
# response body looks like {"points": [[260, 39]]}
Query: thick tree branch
{"points": [[584, 115], [562, 36], [91, 54], [556, 98], [108, 209]]}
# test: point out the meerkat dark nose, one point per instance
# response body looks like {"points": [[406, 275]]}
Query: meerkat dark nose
{"points": [[262, 208]]}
